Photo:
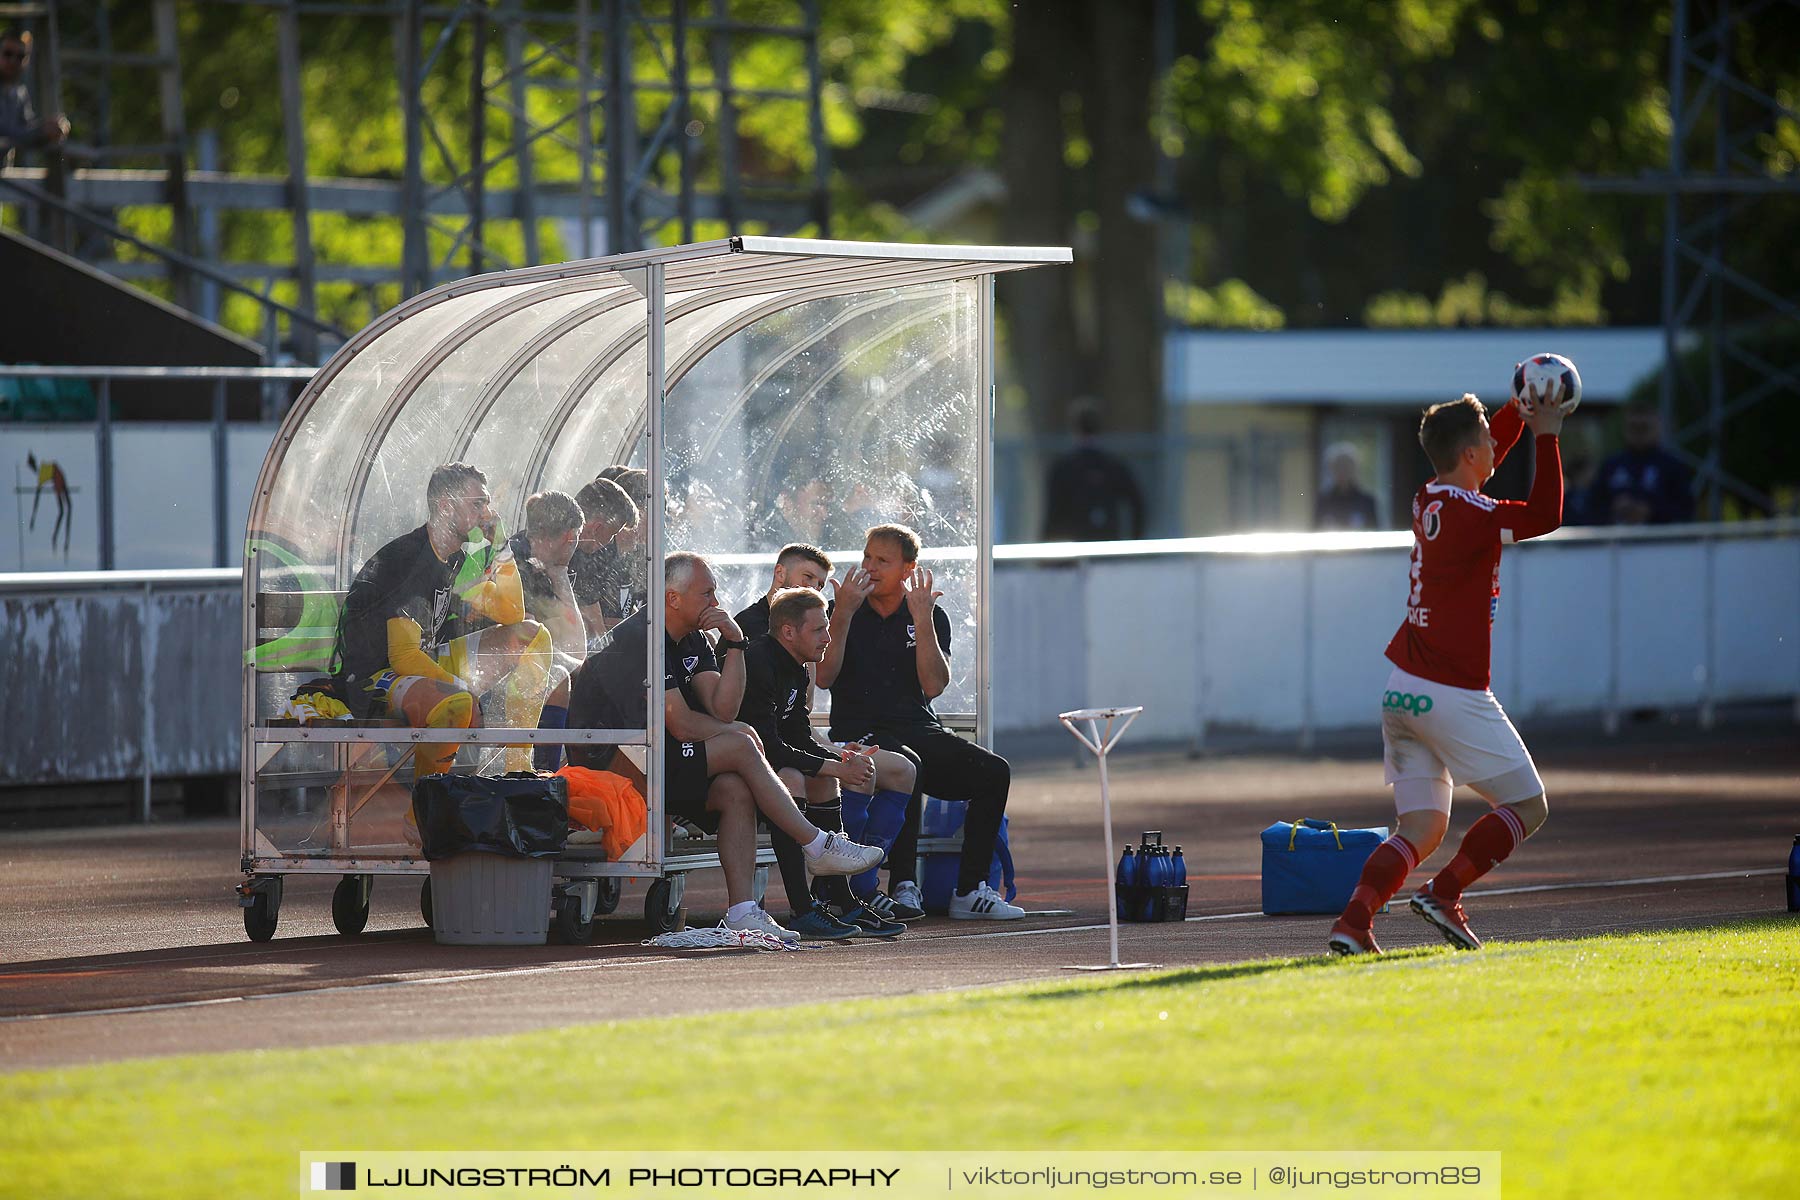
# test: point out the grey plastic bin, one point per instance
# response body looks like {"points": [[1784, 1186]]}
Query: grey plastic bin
{"points": [[491, 900]]}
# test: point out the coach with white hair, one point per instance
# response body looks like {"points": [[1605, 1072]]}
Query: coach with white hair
{"points": [[715, 774]]}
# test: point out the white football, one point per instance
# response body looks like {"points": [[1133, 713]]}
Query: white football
{"points": [[1549, 373]]}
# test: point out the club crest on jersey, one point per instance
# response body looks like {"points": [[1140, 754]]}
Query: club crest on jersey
{"points": [[793, 695], [912, 635], [440, 614], [1432, 520], [691, 661]]}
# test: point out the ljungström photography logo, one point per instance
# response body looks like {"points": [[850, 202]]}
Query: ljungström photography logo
{"points": [[334, 1177]]}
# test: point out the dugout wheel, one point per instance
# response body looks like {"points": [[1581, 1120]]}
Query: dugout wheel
{"points": [[662, 907], [571, 930], [261, 899], [350, 904], [425, 902], [607, 899]]}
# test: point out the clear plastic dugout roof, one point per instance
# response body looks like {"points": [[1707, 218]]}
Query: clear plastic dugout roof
{"points": [[808, 390]]}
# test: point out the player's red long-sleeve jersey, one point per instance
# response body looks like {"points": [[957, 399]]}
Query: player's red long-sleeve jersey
{"points": [[1447, 636]]}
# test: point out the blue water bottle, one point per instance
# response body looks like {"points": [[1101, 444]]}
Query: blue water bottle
{"points": [[1793, 876], [1179, 865], [1155, 875], [1126, 879]]}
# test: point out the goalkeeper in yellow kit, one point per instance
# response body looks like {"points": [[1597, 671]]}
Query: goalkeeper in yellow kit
{"points": [[408, 643]]}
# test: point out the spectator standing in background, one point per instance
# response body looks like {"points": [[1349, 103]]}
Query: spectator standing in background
{"points": [[20, 126], [1091, 494], [1578, 491], [1343, 504], [1643, 484]]}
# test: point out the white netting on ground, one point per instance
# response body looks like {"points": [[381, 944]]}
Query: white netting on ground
{"points": [[720, 937]]}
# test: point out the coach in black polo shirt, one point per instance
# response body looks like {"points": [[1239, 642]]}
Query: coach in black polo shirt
{"points": [[883, 675], [715, 771]]}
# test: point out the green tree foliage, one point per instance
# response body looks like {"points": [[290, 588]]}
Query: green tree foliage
{"points": [[354, 120], [1409, 162]]}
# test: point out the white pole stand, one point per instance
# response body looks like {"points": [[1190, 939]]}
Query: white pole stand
{"points": [[1100, 741]]}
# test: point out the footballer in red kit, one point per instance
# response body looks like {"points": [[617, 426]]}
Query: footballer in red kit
{"points": [[1440, 725]]}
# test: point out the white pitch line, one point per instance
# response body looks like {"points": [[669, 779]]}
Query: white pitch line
{"points": [[590, 966], [1613, 883], [509, 973], [1513, 891]]}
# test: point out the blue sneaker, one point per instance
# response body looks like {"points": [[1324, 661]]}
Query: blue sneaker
{"points": [[870, 923], [817, 924]]}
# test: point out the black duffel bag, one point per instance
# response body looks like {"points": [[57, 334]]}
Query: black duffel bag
{"points": [[521, 814]]}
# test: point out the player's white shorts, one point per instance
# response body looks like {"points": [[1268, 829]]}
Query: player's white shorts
{"points": [[1459, 735]]}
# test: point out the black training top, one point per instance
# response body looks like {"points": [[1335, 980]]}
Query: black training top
{"points": [[877, 686], [754, 621], [609, 692], [604, 578], [776, 706], [405, 578], [534, 578]]}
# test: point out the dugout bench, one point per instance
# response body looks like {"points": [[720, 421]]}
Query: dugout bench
{"points": [[729, 372]]}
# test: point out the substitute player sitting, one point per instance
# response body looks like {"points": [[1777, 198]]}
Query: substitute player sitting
{"points": [[797, 565], [554, 523], [777, 704], [1440, 725], [887, 661], [600, 579], [408, 645]]}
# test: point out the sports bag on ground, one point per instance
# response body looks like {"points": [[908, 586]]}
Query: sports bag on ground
{"points": [[1312, 866]]}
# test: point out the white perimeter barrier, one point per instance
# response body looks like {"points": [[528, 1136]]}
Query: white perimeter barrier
{"points": [[118, 675], [1284, 633]]}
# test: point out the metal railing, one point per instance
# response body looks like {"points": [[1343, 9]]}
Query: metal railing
{"points": [[298, 319]]}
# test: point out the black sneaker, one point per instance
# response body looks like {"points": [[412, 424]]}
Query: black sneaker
{"points": [[872, 923], [908, 901]]}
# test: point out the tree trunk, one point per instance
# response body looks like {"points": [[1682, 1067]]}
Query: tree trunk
{"points": [[1039, 305], [1125, 279]]}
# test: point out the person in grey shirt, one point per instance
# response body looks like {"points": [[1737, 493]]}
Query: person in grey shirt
{"points": [[19, 122]]}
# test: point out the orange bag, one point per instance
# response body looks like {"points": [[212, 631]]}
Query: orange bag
{"points": [[606, 803]]}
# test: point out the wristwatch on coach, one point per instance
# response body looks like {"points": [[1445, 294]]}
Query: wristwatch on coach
{"points": [[725, 644]]}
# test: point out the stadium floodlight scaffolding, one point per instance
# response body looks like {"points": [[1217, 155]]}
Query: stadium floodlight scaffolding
{"points": [[773, 389]]}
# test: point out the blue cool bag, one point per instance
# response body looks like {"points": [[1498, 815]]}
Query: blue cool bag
{"points": [[937, 879], [1313, 866]]}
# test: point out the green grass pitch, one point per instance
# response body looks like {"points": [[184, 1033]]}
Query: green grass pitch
{"points": [[1650, 1065]]}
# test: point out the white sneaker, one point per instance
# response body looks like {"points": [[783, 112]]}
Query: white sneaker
{"points": [[841, 856], [983, 904], [761, 922]]}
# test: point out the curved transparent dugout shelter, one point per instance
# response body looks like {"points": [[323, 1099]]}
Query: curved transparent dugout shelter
{"points": [[773, 389]]}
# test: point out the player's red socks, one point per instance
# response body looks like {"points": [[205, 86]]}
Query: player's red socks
{"points": [[1486, 845], [1382, 876]]}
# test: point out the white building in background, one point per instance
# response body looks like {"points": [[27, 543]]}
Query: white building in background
{"points": [[1248, 418], [1254, 412]]}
